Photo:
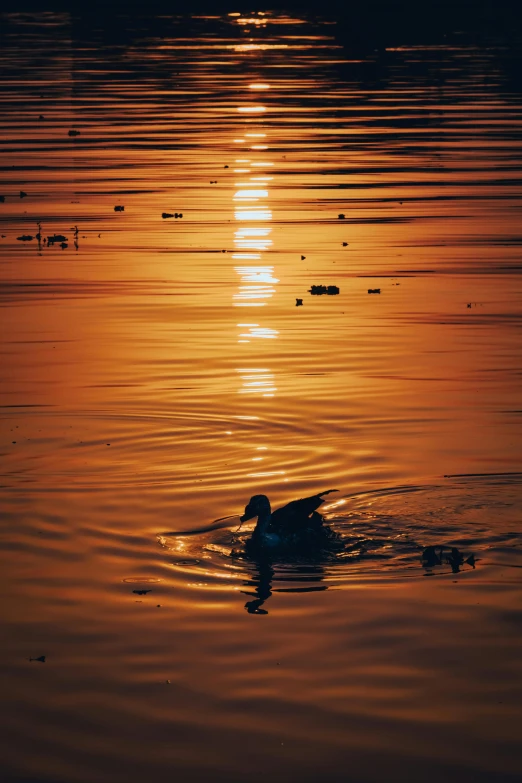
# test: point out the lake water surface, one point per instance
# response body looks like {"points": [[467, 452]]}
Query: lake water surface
{"points": [[156, 372]]}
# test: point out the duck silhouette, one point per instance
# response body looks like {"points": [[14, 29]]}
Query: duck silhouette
{"points": [[293, 526]]}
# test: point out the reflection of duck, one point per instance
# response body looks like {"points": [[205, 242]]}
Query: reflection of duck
{"points": [[294, 525], [262, 584]]}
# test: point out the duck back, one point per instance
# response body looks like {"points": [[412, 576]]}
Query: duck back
{"points": [[299, 514]]}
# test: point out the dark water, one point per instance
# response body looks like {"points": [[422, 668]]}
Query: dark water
{"points": [[156, 373]]}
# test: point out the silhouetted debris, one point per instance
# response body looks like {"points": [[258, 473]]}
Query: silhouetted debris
{"points": [[25, 238], [445, 555], [2, 199], [374, 290], [303, 258], [141, 592], [225, 167], [298, 302], [74, 133], [63, 245], [341, 216], [41, 117], [345, 244], [165, 215], [319, 290], [213, 181], [40, 659], [119, 209], [23, 194], [56, 238], [469, 305]]}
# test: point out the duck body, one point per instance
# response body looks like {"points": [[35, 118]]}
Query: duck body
{"points": [[294, 526]]}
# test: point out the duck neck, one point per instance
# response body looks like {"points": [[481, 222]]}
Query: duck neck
{"points": [[263, 521]]}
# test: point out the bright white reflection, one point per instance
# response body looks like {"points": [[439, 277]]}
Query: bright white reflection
{"points": [[251, 194], [251, 109], [257, 274], [252, 232], [250, 214], [260, 332], [256, 380], [259, 86], [257, 281]]}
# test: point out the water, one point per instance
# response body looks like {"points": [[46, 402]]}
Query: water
{"points": [[156, 373]]}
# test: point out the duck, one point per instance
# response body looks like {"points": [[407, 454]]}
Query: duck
{"points": [[294, 525]]}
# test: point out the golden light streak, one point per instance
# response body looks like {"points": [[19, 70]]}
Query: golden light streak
{"points": [[251, 109]]}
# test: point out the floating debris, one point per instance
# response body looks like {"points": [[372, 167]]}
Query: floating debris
{"points": [[303, 258], [319, 290], [341, 216], [213, 181], [225, 167], [25, 238], [74, 133], [374, 290], [345, 244], [2, 199], [23, 194], [63, 245], [56, 238], [446, 555], [298, 302], [41, 117], [165, 215], [141, 592], [119, 209], [40, 659]]}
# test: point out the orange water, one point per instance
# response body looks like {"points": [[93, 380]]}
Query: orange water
{"points": [[157, 373]]}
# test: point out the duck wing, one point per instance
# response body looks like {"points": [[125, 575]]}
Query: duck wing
{"points": [[299, 513]]}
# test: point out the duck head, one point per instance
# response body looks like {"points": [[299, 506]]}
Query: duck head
{"points": [[258, 506]]}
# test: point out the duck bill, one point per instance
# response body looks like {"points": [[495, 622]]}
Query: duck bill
{"points": [[246, 516]]}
